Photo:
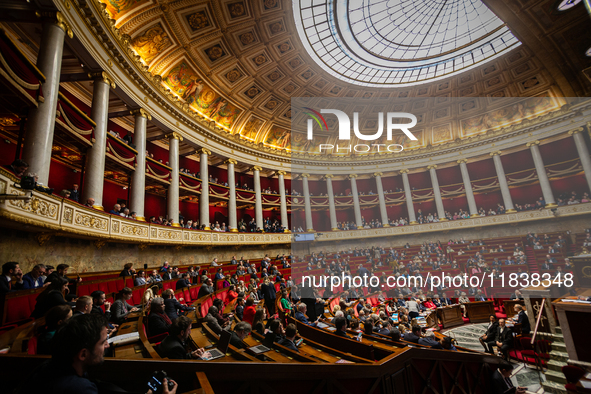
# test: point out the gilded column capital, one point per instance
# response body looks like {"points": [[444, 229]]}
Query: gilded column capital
{"points": [[462, 161], [174, 135], [432, 166], [404, 171], [577, 130], [281, 173], [305, 175], [377, 174], [103, 76], [530, 144], [204, 151], [352, 176], [496, 153], [141, 112], [257, 168], [328, 176], [58, 20], [231, 161]]}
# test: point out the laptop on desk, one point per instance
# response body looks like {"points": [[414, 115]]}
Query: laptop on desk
{"points": [[259, 349], [222, 346]]}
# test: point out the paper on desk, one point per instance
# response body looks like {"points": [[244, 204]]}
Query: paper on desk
{"points": [[132, 336], [586, 384], [588, 375]]}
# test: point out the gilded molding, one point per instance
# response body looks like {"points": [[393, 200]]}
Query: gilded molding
{"points": [[257, 168], [174, 135], [203, 151], [496, 153], [462, 161], [103, 76], [404, 171], [377, 174], [352, 176], [141, 112], [432, 166], [281, 173], [305, 175], [328, 176], [530, 144], [577, 130], [58, 20], [231, 161]]}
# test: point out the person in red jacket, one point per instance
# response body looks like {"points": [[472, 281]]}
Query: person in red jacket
{"points": [[249, 310]]}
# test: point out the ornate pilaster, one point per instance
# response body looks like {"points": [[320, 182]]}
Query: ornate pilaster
{"points": [[331, 203], [437, 192], [468, 187], [583, 151], [138, 178], [505, 192], [382, 199], [41, 120], [258, 207], [307, 203], [95, 159], [412, 219], [232, 219], [542, 176], [204, 200], [283, 201], [356, 205]]}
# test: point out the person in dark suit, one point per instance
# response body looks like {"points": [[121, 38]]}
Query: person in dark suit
{"points": [[120, 308], [300, 315], [98, 300], [183, 282], [60, 271], [172, 306], [53, 295], [517, 295], [206, 288], [83, 306], [501, 381], [11, 270], [445, 301], [479, 296], [275, 333], [75, 193], [414, 335], [158, 321], [503, 339], [491, 332], [168, 274], [269, 294], [429, 340], [341, 327], [522, 319], [289, 340], [174, 346], [127, 270], [241, 331]]}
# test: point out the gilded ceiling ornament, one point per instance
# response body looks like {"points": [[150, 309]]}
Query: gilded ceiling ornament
{"points": [[260, 59], [269, 4], [247, 38], [152, 43], [198, 20], [233, 75], [237, 9], [276, 27], [215, 52]]}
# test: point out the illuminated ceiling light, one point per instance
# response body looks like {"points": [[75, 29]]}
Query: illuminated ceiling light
{"points": [[567, 4]]}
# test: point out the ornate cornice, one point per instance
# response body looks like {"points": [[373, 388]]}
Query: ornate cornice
{"points": [[102, 76], [141, 112]]}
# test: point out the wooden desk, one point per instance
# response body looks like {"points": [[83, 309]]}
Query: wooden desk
{"points": [[479, 311], [129, 350], [450, 316], [509, 306]]}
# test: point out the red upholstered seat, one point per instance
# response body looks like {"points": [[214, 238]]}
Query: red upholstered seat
{"points": [[187, 296], [113, 286], [32, 346], [572, 374], [17, 309], [277, 286], [194, 291], [83, 289], [104, 286]]}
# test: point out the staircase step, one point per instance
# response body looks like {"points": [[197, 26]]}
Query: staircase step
{"points": [[555, 376], [558, 338], [560, 356], [553, 387], [559, 346], [555, 365], [558, 330]]}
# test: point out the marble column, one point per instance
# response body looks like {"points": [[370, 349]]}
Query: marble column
{"points": [[331, 203], [382, 199], [258, 205], [138, 178], [437, 192], [583, 152], [283, 201], [94, 177], [468, 187], [204, 200], [232, 219], [307, 203], [412, 219], [174, 140], [356, 205], [41, 120], [542, 176], [505, 192]]}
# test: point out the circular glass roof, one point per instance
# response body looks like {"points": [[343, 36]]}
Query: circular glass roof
{"points": [[400, 42]]}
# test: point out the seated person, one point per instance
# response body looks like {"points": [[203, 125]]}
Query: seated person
{"points": [[140, 279], [258, 323], [34, 279], [275, 333], [11, 270], [54, 319], [446, 343], [414, 335], [249, 310], [429, 340], [172, 307], [503, 339], [501, 381], [522, 319], [241, 331], [120, 308], [183, 282], [491, 331], [53, 295], [79, 345], [83, 306], [174, 346], [239, 308], [289, 340], [211, 320], [158, 322], [301, 315], [341, 327]]}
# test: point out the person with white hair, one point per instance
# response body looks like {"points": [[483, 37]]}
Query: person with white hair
{"points": [[428, 339]]}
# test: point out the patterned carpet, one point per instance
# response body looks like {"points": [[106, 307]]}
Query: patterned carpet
{"points": [[467, 336]]}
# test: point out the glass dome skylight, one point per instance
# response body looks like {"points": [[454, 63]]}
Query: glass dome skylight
{"points": [[399, 42]]}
